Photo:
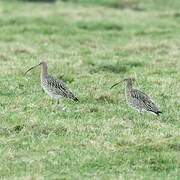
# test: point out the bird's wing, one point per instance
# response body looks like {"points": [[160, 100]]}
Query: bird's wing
{"points": [[61, 88], [145, 99]]}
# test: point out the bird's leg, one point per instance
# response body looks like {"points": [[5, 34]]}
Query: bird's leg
{"points": [[60, 105], [140, 111], [141, 114], [52, 102]]}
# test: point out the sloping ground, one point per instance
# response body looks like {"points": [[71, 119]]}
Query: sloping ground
{"points": [[90, 45]]}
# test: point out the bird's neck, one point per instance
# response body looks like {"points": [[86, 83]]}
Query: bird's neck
{"points": [[44, 71], [129, 86], [128, 90]]}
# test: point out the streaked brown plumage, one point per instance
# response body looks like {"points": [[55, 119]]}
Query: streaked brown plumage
{"points": [[55, 88], [138, 99]]}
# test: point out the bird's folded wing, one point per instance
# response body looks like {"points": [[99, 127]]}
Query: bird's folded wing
{"points": [[60, 88], [145, 99]]}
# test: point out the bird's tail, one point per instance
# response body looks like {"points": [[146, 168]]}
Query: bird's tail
{"points": [[158, 113], [75, 99]]}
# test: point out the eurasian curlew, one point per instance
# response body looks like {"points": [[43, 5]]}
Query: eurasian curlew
{"points": [[138, 99], [55, 88]]}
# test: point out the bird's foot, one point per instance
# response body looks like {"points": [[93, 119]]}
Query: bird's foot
{"points": [[64, 109], [61, 108]]}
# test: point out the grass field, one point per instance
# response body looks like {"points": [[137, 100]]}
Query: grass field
{"points": [[90, 44]]}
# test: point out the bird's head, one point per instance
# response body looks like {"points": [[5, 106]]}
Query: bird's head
{"points": [[43, 63], [129, 81]]}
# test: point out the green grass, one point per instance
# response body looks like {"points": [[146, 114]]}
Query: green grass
{"points": [[90, 45]]}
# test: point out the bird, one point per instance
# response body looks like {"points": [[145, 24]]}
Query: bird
{"points": [[138, 99], [55, 88]]}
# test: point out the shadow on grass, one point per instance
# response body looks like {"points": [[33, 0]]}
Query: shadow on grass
{"points": [[117, 4], [119, 67], [45, 1], [106, 98], [59, 130], [95, 26], [66, 78], [113, 68], [35, 129], [126, 4], [153, 32]]}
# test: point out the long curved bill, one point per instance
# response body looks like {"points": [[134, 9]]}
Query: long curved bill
{"points": [[31, 68], [115, 85]]}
